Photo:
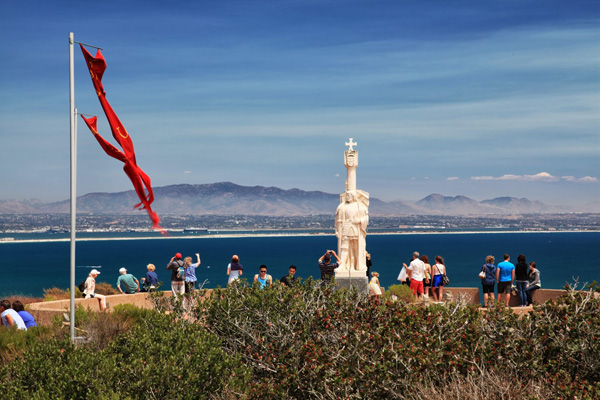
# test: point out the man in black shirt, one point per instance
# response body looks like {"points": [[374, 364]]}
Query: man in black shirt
{"points": [[327, 266], [290, 279]]}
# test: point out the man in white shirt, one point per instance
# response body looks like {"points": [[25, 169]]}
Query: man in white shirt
{"points": [[10, 317], [416, 273]]}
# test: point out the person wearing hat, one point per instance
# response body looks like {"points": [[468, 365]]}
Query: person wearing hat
{"points": [[176, 265], [90, 290], [129, 282]]}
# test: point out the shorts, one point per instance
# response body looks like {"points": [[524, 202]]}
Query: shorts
{"points": [[426, 283], [437, 281], [488, 289], [416, 286], [504, 287]]}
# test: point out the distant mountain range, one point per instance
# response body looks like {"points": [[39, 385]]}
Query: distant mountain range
{"points": [[226, 198]]}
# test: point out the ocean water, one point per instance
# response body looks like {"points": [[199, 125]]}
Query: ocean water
{"points": [[26, 268]]}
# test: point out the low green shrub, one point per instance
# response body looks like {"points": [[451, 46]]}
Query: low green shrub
{"points": [[314, 342], [13, 342], [158, 358], [400, 292]]}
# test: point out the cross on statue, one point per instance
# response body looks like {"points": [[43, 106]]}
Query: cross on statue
{"points": [[350, 144]]}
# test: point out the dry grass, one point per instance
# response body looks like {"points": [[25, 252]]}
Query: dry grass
{"points": [[105, 288], [55, 294], [485, 386], [24, 299]]}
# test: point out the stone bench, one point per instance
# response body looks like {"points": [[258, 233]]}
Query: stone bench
{"points": [[470, 294]]}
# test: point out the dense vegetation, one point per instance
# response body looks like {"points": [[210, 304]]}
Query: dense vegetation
{"points": [[312, 342]]}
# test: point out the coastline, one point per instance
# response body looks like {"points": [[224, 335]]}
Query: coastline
{"points": [[230, 235]]}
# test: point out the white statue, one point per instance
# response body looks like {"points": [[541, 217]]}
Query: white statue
{"points": [[351, 220]]}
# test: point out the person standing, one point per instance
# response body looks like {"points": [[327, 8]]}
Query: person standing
{"points": [[522, 279], [177, 268], [437, 286], [416, 272], [489, 281], [129, 282], [27, 317], [90, 290], [190, 273], [505, 275], [327, 266], [426, 276], [369, 263], [534, 282], [234, 269], [262, 277], [290, 279], [10, 317]]}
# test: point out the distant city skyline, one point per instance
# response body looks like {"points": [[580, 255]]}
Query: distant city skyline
{"points": [[482, 99]]}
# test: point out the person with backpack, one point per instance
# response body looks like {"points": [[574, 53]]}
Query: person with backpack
{"points": [[488, 279], [90, 290], [177, 267]]}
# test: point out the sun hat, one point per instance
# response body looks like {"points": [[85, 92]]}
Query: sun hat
{"points": [[95, 272], [177, 255]]}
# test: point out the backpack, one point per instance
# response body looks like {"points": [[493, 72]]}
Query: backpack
{"points": [[180, 272], [82, 286]]}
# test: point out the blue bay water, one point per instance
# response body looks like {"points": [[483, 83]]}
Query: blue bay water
{"points": [[28, 268]]}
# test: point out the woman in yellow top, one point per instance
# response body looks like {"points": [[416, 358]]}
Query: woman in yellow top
{"points": [[374, 288]]}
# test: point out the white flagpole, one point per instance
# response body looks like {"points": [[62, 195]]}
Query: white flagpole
{"points": [[73, 113]]}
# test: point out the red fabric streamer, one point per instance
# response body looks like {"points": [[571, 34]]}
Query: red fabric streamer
{"points": [[141, 181]]}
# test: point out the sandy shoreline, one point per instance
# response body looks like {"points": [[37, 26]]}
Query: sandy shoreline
{"points": [[272, 234]]}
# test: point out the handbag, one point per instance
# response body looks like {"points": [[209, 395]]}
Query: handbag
{"points": [[445, 280], [402, 276], [482, 273]]}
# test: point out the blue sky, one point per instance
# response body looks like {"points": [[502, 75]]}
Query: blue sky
{"points": [[484, 99]]}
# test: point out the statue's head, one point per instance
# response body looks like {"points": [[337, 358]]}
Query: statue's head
{"points": [[350, 196]]}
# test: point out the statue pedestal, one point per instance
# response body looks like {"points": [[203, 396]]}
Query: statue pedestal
{"points": [[348, 279]]}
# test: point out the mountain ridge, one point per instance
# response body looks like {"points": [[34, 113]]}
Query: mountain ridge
{"points": [[230, 198]]}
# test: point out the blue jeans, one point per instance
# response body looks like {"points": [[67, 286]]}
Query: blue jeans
{"points": [[521, 288], [529, 293]]}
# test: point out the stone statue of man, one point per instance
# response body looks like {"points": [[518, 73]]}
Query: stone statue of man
{"points": [[351, 220]]}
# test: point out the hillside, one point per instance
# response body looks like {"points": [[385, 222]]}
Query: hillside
{"points": [[225, 198]]}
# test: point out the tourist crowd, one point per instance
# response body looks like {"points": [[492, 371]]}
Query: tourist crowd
{"points": [[424, 280]]}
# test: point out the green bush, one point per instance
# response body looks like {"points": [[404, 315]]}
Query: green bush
{"points": [[401, 292], [314, 342], [158, 358]]}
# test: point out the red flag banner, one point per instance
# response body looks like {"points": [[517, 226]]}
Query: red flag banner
{"points": [[141, 181]]}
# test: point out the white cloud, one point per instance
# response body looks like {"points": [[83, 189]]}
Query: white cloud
{"points": [[187, 172], [539, 177], [587, 179], [452, 178]]}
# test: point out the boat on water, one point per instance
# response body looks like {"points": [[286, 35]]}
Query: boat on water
{"points": [[195, 230]]}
